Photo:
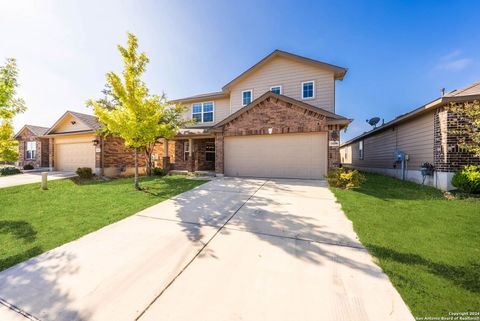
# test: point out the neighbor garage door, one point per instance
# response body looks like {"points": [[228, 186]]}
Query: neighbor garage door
{"points": [[283, 156], [70, 156]]}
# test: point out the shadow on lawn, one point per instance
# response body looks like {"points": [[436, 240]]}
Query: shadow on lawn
{"points": [[467, 277], [23, 232]]}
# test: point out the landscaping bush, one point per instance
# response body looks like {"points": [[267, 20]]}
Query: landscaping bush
{"points": [[84, 172], [158, 171], [467, 180], [9, 171], [27, 167], [345, 178]]}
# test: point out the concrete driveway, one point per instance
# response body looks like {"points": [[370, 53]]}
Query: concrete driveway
{"points": [[32, 177], [231, 249]]}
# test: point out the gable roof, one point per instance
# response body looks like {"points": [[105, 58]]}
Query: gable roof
{"points": [[473, 89], [217, 94], [334, 117], [339, 72], [468, 93], [90, 121], [36, 130]]}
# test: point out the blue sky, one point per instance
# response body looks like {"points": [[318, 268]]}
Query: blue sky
{"points": [[399, 53]]}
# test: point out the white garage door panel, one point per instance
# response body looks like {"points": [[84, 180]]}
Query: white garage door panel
{"points": [[288, 155], [69, 157]]}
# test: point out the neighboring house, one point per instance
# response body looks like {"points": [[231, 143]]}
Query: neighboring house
{"points": [[277, 119], [424, 134], [32, 149]]}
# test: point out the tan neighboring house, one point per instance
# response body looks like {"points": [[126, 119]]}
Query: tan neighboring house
{"points": [[277, 119], [424, 135]]}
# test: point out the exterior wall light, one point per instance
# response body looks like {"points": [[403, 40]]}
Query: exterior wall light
{"points": [[95, 142]]}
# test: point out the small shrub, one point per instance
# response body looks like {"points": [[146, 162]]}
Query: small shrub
{"points": [[158, 171], [467, 179], [84, 172], [345, 178], [9, 171], [27, 167]]}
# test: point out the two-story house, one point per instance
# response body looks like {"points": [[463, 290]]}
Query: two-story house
{"points": [[276, 119]]}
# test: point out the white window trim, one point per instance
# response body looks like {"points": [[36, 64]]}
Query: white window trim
{"points": [[30, 150], [301, 89], [251, 96], [186, 151], [280, 86], [202, 112], [361, 151]]}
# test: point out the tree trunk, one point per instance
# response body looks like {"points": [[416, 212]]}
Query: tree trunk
{"points": [[137, 187], [148, 160]]}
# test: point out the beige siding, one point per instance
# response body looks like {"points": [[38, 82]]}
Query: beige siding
{"points": [[221, 110], [289, 74], [66, 125], [414, 137]]}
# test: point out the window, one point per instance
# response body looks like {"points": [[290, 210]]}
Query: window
{"points": [[246, 97], [276, 89], [186, 151], [31, 150], [360, 149], [203, 112], [210, 151], [308, 90]]}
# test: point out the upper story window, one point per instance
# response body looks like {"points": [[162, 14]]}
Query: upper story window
{"points": [[30, 150], [203, 112], [360, 149], [276, 89], [247, 96], [308, 89]]}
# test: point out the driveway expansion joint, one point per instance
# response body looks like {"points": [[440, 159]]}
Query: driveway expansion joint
{"points": [[16, 309], [197, 254]]}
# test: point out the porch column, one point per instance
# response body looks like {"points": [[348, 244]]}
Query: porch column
{"points": [[166, 158], [219, 154], [191, 161], [51, 154]]}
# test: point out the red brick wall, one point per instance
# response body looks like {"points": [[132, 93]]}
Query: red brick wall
{"points": [[283, 118], [41, 157], [448, 157], [115, 154]]}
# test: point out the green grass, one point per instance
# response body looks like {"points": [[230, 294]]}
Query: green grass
{"points": [[428, 246], [33, 221]]}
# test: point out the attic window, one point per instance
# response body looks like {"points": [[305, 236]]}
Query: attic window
{"points": [[73, 122], [246, 97]]}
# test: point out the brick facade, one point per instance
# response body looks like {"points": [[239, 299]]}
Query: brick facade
{"points": [[41, 153], [198, 161], [283, 118], [448, 157]]}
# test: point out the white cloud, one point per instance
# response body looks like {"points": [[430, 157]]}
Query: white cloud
{"points": [[453, 61]]}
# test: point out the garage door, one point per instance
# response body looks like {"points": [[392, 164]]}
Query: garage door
{"points": [[283, 156], [70, 156]]}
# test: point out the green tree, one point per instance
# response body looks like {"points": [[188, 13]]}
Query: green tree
{"points": [[130, 112], [10, 105], [467, 125]]}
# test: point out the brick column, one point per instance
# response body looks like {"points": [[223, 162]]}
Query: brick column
{"points": [[333, 151], [166, 158], [51, 154], [219, 157], [191, 161], [98, 156]]}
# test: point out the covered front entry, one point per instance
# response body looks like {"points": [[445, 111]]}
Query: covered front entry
{"points": [[302, 155]]}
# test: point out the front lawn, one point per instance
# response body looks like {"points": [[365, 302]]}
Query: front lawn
{"points": [[33, 221], [429, 246]]}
